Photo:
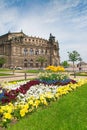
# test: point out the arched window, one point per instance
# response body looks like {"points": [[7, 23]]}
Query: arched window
{"points": [[25, 51], [31, 63], [37, 65], [31, 51], [25, 62], [31, 60]]}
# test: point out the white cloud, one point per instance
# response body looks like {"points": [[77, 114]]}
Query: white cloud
{"points": [[63, 18]]}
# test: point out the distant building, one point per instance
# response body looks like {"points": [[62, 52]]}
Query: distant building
{"points": [[19, 48], [82, 66]]}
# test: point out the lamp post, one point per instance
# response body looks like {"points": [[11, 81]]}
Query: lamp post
{"points": [[25, 62], [13, 69]]}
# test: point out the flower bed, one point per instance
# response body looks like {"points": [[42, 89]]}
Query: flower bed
{"points": [[20, 98], [11, 95]]}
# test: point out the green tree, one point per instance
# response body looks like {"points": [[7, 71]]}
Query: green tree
{"points": [[73, 57], [41, 60], [2, 61], [65, 64]]}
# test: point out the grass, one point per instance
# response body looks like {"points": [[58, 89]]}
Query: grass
{"points": [[34, 71], [4, 70], [28, 70], [4, 74], [80, 74], [69, 113]]}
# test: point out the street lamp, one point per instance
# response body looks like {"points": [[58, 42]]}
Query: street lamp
{"points": [[25, 62]]}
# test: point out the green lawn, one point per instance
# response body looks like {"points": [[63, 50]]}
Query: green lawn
{"points": [[4, 70], [34, 71], [80, 74], [69, 113], [21, 71], [4, 74]]}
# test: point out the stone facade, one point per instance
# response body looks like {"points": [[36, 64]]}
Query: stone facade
{"points": [[24, 51], [82, 66]]}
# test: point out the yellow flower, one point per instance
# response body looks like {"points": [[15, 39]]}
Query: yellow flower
{"points": [[49, 95], [55, 69], [7, 116], [45, 102], [30, 102], [41, 98], [36, 103], [31, 109], [57, 95], [1, 110], [22, 112]]}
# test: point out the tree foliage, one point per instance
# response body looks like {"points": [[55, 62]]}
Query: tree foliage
{"points": [[73, 57], [2, 61], [65, 64], [41, 60]]}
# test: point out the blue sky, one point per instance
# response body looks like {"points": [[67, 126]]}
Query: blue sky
{"points": [[65, 19]]}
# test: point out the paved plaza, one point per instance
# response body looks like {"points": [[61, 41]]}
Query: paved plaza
{"points": [[21, 76], [17, 76]]}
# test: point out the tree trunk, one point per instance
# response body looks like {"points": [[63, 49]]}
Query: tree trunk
{"points": [[74, 70]]}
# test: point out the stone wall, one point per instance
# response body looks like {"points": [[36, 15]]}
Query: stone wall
{"points": [[18, 47]]}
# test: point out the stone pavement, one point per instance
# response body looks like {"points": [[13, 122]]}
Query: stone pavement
{"points": [[21, 76], [17, 76]]}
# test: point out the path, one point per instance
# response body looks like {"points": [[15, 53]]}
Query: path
{"points": [[17, 76], [20, 76]]}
